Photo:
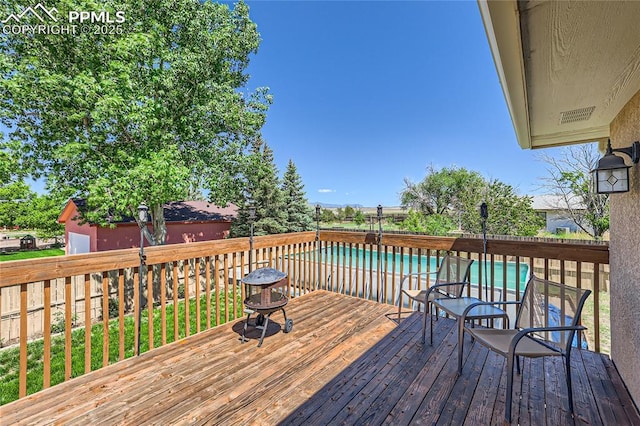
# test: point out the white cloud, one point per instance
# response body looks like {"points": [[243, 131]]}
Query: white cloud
{"points": [[326, 190]]}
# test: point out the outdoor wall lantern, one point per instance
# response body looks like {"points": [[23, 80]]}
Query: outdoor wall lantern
{"points": [[612, 174]]}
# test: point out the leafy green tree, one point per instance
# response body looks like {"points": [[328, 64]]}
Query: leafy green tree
{"points": [[435, 224], [456, 193], [42, 212], [151, 115], [509, 213], [14, 198], [441, 191], [358, 217], [327, 216], [570, 180], [299, 214], [349, 212]]}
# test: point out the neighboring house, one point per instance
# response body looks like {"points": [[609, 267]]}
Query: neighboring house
{"points": [[187, 221], [553, 209]]}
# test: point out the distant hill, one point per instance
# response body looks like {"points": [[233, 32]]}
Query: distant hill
{"points": [[336, 206]]}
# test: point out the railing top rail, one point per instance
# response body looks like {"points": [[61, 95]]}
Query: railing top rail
{"points": [[584, 252]]}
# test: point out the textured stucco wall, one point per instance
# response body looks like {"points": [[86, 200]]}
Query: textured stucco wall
{"points": [[624, 250]]}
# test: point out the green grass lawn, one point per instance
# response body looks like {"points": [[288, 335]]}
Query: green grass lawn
{"points": [[31, 254], [10, 357], [605, 321]]}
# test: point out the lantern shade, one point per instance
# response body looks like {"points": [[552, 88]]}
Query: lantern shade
{"points": [[612, 173], [142, 213], [610, 181]]}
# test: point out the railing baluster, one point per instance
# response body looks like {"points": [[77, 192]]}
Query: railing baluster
{"points": [[370, 271], [176, 327], [216, 277], [105, 318], [207, 278], [121, 350], [46, 380], [596, 305], [87, 323], [22, 380], [136, 306], [306, 269], [67, 328], [163, 302], [226, 288], [197, 277], [187, 298], [149, 281], [393, 274]]}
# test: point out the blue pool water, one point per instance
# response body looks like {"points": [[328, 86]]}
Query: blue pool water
{"points": [[365, 259]]}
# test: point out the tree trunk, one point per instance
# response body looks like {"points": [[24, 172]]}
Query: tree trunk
{"points": [[159, 225]]}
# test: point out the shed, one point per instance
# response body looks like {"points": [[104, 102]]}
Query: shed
{"points": [[187, 221]]}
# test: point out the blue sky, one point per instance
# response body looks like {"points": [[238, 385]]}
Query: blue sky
{"points": [[368, 93]]}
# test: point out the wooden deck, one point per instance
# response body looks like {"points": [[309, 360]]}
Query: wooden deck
{"points": [[347, 361]]}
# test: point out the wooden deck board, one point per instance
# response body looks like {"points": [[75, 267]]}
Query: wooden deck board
{"points": [[346, 361]]}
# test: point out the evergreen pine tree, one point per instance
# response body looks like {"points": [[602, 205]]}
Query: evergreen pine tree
{"points": [[299, 215], [263, 189], [271, 213]]}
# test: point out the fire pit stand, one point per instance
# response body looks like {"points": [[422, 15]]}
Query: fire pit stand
{"points": [[263, 298]]}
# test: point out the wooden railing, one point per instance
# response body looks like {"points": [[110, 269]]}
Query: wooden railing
{"points": [[189, 288]]}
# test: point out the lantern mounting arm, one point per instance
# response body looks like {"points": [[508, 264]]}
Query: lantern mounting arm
{"points": [[632, 151]]}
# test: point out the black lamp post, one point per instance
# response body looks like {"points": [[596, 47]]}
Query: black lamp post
{"points": [[319, 243], [484, 215], [143, 210], [612, 174], [252, 218], [380, 278]]}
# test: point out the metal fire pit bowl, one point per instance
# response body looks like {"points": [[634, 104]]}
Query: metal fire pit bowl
{"points": [[263, 298]]}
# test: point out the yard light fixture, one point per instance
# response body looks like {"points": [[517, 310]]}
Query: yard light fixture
{"points": [[252, 218], [612, 173], [319, 273], [143, 210]]}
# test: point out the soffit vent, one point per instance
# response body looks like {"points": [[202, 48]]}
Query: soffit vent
{"points": [[580, 114]]}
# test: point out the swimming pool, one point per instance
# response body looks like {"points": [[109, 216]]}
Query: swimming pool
{"points": [[409, 263]]}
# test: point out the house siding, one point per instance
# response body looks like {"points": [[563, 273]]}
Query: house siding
{"points": [[128, 235], [84, 229], [625, 257]]}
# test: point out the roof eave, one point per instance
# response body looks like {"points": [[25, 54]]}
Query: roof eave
{"points": [[502, 26]]}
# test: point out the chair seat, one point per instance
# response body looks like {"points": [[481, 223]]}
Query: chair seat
{"points": [[499, 341], [418, 295]]}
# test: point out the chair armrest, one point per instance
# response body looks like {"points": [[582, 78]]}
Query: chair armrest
{"points": [[414, 274], [527, 331], [473, 305]]}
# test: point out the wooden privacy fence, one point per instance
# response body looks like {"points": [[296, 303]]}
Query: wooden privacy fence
{"points": [[365, 265]]}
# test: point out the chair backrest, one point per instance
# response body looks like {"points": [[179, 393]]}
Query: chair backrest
{"points": [[453, 269], [550, 304]]}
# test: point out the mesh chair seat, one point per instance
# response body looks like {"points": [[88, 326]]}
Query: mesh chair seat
{"points": [[499, 341]]}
